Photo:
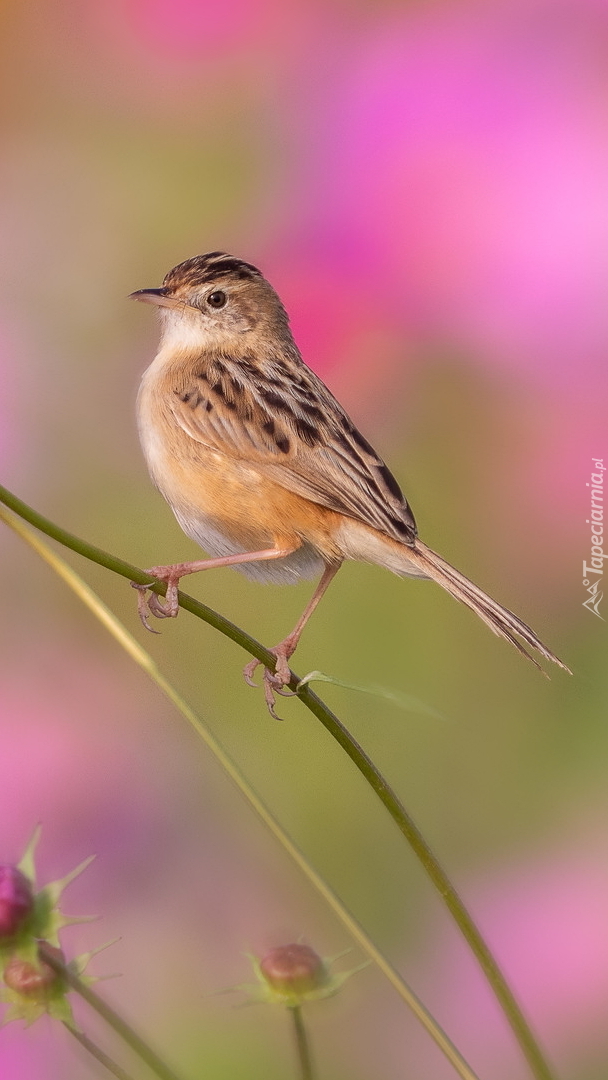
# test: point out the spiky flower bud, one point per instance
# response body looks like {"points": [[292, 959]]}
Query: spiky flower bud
{"points": [[16, 901], [294, 970], [35, 981], [291, 975], [32, 920]]}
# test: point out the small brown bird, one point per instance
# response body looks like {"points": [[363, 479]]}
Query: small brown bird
{"points": [[259, 462]]}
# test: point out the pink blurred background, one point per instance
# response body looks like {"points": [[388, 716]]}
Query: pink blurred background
{"points": [[425, 185]]}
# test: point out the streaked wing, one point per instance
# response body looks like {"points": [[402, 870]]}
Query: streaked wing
{"points": [[281, 417]]}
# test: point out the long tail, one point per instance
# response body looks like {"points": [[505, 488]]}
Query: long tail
{"points": [[500, 620]]}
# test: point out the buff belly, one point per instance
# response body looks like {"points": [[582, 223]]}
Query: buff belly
{"points": [[228, 507], [303, 563]]}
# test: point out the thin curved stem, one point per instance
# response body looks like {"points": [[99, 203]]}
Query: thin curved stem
{"points": [[145, 661], [302, 1044], [530, 1048], [98, 1053], [107, 1013]]}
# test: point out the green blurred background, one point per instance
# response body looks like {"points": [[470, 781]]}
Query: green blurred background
{"points": [[425, 185]]}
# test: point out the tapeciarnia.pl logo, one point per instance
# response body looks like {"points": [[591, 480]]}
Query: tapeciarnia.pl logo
{"points": [[593, 571]]}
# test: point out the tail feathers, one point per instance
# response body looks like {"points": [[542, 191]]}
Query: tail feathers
{"points": [[500, 620]]}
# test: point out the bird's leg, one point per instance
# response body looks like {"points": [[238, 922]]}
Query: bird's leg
{"points": [[148, 603], [274, 681]]}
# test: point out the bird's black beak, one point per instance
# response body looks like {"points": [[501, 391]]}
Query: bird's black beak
{"points": [[160, 297]]}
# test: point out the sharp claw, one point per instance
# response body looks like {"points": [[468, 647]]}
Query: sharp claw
{"points": [[283, 692], [248, 672], [269, 696], [143, 609], [157, 608], [148, 603], [142, 588], [274, 681]]}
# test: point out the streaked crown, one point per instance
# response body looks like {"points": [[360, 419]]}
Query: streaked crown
{"points": [[207, 269]]}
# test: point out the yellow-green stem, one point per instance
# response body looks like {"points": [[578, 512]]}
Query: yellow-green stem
{"points": [[98, 1053], [522, 1031], [144, 660], [302, 1044], [112, 1019]]}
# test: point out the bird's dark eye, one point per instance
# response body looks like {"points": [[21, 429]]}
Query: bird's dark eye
{"points": [[217, 299]]}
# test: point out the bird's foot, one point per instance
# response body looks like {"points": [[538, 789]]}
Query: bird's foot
{"points": [[274, 681], [148, 603]]}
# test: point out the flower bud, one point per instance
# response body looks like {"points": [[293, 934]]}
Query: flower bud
{"points": [[294, 970], [16, 901], [35, 981]]}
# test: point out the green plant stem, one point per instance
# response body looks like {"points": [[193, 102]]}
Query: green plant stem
{"points": [[302, 1044], [124, 1030], [530, 1048], [144, 660], [97, 1053]]}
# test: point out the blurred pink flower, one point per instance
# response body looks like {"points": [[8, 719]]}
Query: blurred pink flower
{"points": [[42, 1051], [333, 316], [208, 39], [547, 926], [59, 763], [462, 154], [185, 65], [187, 26]]}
